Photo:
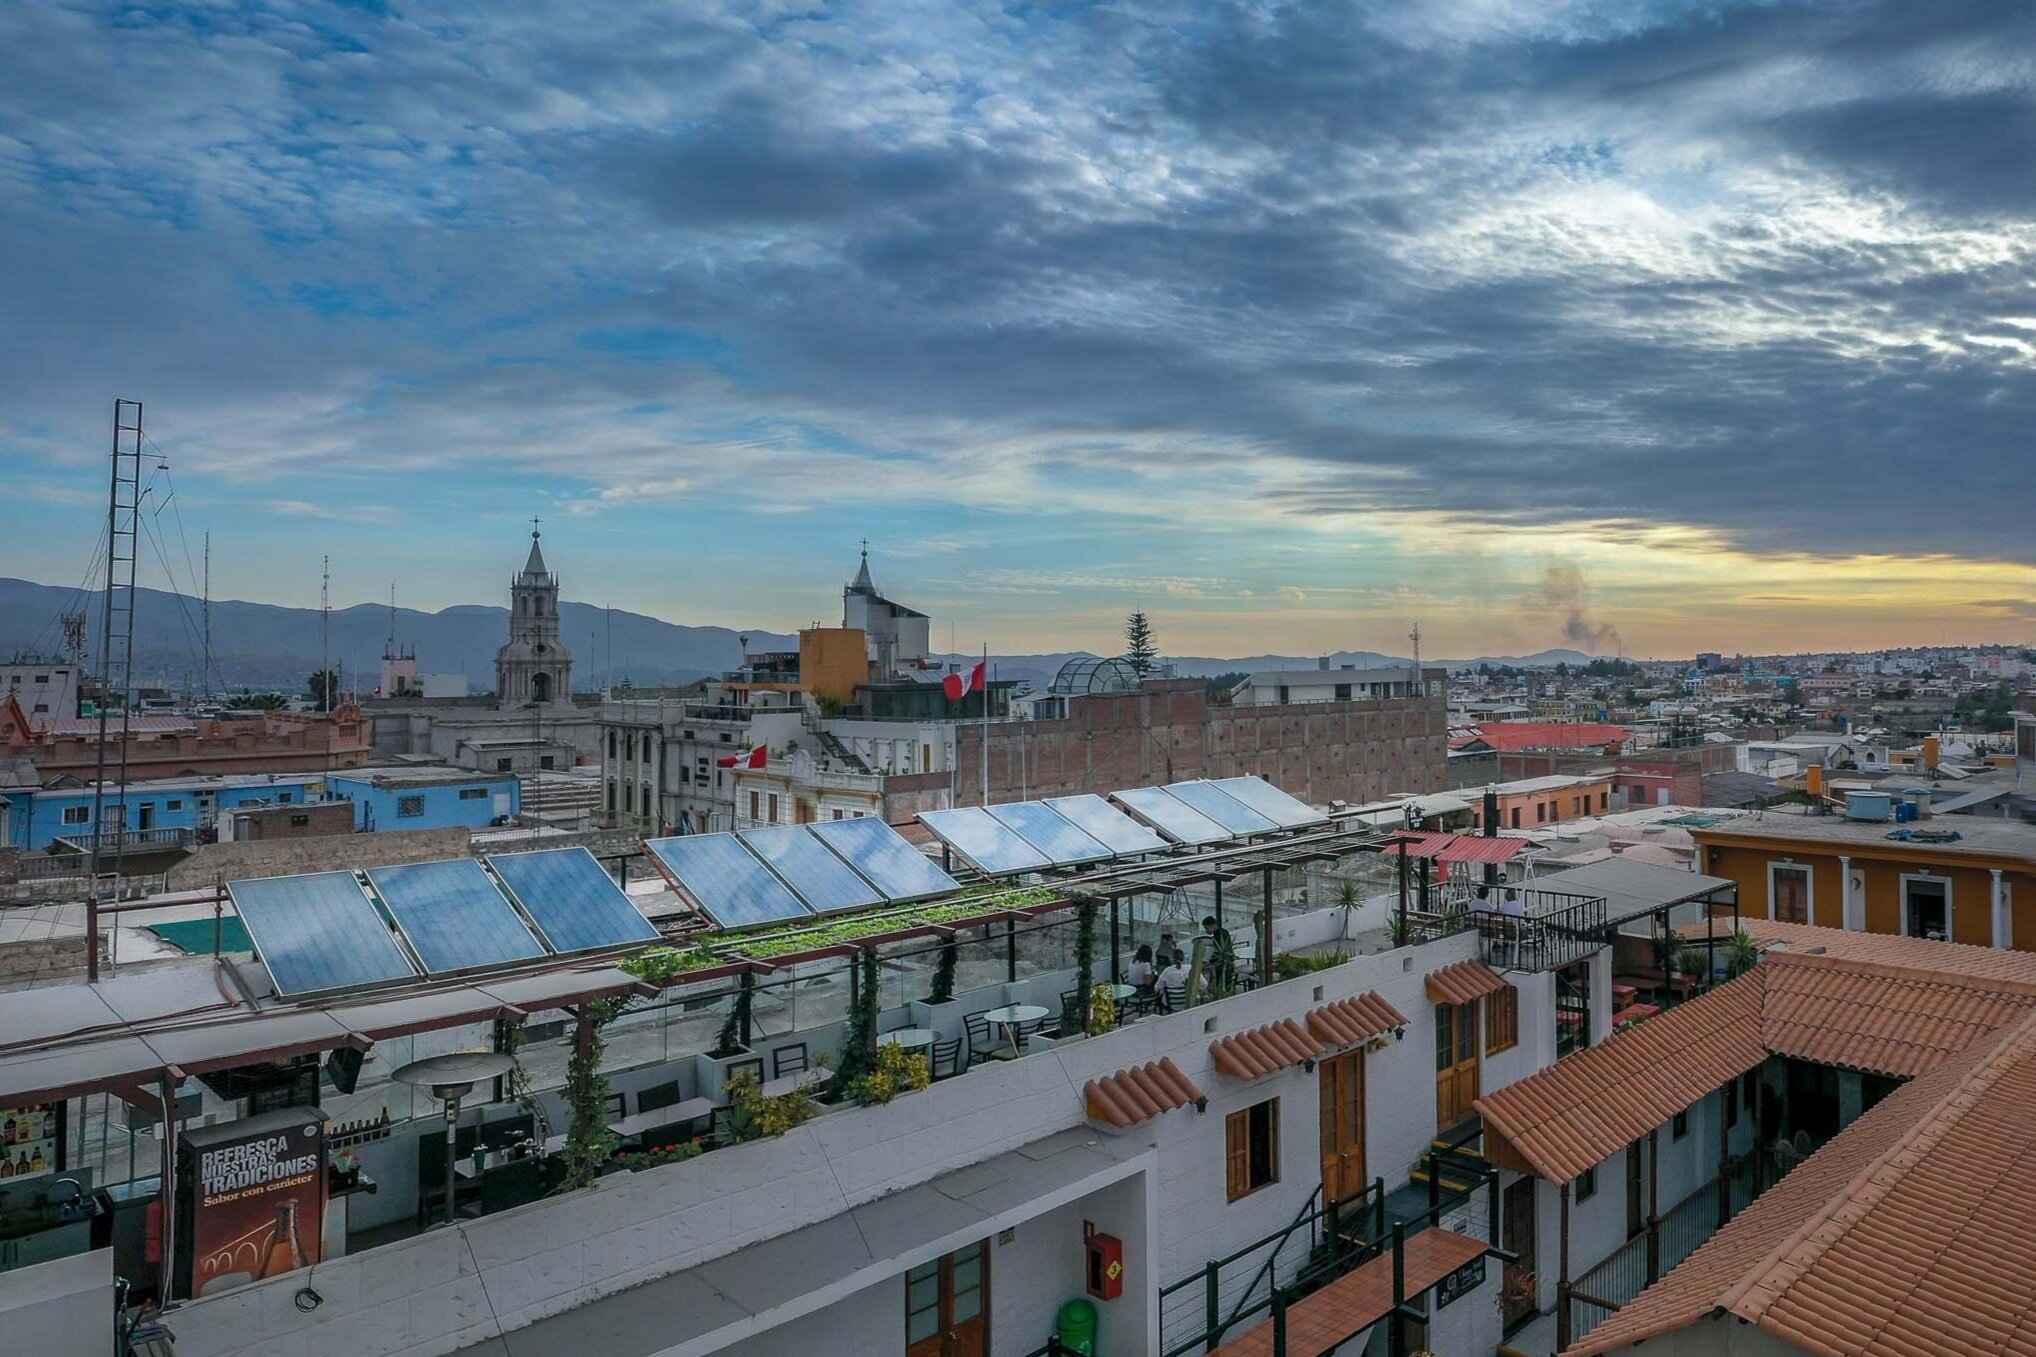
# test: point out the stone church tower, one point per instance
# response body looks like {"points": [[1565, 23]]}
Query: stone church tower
{"points": [[534, 668]]}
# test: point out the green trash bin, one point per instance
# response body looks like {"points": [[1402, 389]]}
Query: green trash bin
{"points": [[1076, 1326]]}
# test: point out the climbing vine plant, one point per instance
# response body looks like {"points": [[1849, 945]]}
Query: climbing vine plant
{"points": [[859, 1041]]}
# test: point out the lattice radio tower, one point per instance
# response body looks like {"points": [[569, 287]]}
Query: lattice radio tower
{"points": [[116, 662]]}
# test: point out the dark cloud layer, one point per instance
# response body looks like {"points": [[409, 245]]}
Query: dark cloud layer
{"points": [[1759, 269]]}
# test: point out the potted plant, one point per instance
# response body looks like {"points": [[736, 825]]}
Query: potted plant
{"points": [[895, 1070], [926, 1012], [1741, 953]]}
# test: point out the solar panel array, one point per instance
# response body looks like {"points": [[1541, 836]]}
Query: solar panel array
{"points": [[984, 840], [791, 872], [323, 932]]}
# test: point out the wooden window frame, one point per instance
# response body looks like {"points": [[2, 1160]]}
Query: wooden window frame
{"points": [[1237, 1150], [1587, 1185], [1502, 1020]]}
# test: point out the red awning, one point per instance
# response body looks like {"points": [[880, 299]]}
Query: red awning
{"points": [[1457, 847]]}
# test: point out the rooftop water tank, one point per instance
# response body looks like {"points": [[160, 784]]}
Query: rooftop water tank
{"points": [[1867, 805]]}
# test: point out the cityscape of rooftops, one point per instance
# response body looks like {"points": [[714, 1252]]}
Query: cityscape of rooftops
{"points": [[764, 677]]}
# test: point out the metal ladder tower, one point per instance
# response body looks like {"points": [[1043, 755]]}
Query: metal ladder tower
{"points": [[116, 662]]}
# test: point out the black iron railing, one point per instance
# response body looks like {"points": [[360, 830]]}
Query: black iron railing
{"points": [[1552, 929], [1625, 1272]]}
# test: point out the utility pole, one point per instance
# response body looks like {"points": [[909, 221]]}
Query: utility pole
{"points": [[116, 658], [1418, 689]]}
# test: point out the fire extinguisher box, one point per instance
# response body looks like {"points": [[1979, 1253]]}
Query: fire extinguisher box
{"points": [[1105, 1262]]}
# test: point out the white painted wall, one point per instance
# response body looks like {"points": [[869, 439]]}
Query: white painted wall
{"points": [[438, 1292], [62, 1308]]}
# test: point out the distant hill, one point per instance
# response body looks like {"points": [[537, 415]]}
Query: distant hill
{"points": [[260, 645]]}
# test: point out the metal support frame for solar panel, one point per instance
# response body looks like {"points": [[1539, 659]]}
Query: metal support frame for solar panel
{"points": [[571, 900], [725, 881], [883, 857], [287, 917], [1287, 811], [1207, 799], [1103, 822], [985, 842], [454, 917], [1172, 817], [817, 876], [1052, 833]]}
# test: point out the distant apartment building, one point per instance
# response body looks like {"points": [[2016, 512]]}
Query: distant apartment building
{"points": [[165, 746], [1537, 802], [45, 688], [1344, 684]]}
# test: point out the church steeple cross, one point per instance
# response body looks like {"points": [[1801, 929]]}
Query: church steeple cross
{"points": [[534, 521]]}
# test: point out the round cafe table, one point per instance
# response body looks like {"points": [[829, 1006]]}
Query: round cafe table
{"points": [[911, 1038], [1119, 993], [1008, 1018]]}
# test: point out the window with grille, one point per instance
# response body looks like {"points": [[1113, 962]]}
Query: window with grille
{"points": [[409, 807]]}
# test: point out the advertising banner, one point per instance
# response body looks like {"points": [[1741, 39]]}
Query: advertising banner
{"points": [[252, 1199]]}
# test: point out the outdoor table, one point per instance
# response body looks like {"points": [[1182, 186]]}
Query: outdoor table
{"points": [[1119, 993], [911, 1038], [1008, 1018], [1633, 1011], [1623, 994]]}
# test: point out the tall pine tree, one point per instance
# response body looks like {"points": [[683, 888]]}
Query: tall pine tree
{"points": [[1139, 649]]}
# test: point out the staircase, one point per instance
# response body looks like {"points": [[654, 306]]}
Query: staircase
{"points": [[840, 754]]}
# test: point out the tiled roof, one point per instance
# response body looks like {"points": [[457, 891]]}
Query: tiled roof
{"points": [[1546, 735], [1260, 1051], [1463, 982], [1900, 1020], [1361, 1297], [1999, 966], [1457, 847], [1139, 1093], [1349, 1021], [1579, 1111], [1906, 1234]]}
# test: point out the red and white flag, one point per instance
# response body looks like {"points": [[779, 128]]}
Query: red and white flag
{"points": [[754, 757], [957, 686]]}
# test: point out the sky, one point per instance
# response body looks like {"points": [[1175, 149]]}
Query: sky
{"points": [[1635, 327]]}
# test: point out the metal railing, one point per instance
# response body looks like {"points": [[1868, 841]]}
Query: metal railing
{"points": [[1557, 929], [1625, 1272], [1196, 1312]]}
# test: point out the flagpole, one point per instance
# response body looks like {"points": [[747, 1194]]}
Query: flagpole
{"points": [[986, 723]]}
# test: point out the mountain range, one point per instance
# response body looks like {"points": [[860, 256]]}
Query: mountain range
{"points": [[262, 645]]}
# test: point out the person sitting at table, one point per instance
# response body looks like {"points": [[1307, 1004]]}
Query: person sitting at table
{"points": [[1174, 979], [1141, 973]]}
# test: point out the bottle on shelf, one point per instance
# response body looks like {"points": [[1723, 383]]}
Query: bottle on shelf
{"points": [[36, 1163], [6, 1167]]}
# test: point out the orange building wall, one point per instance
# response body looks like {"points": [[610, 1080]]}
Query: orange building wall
{"points": [[833, 660], [1571, 803], [1971, 888]]}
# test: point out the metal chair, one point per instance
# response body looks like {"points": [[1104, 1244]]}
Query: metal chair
{"points": [[1173, 997], [947, 1059], [982, 1036], [788, 1060], [736, 1067], [1023, 1032]]}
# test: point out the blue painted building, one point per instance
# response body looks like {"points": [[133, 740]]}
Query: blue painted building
{"points": [[32, 817], [427, 797]]}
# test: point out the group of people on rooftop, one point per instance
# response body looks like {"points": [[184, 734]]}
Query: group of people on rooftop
{"points": [[1163, 973]]}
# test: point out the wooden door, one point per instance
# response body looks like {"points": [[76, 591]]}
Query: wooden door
{"points": [[1341, 1082], [1519, 1231], [947, 1305], [1456, 1062], [1792, 895]]}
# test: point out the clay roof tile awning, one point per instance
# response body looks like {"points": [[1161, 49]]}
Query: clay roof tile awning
{"points": [[1350, 1021], [1260, 1051], [1456, 847], [1463, 983], [1139, 1093]]}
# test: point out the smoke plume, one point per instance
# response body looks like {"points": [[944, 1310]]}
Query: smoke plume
{"points": [[1563, 591]]}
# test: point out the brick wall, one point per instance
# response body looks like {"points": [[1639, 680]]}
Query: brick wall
{"points": [[1169, 732]]}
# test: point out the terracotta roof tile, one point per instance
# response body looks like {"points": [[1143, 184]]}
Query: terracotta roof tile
{"points": [[1139, 1093], [1361, 1297], [1260, 1051], [1906, 1234], [1349, 1021], [1463, 982], [1456, 847], [1900, 1020]]}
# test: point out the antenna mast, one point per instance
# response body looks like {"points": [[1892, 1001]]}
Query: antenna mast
{"points": [[325, 634], [206, 678], [1418, 689], [116, 659]]}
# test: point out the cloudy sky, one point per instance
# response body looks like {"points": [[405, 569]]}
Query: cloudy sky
{"points": [[1659, 326]]}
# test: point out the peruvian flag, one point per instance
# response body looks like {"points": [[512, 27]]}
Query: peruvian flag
{"points": [[749, 758], [956, 686]]}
